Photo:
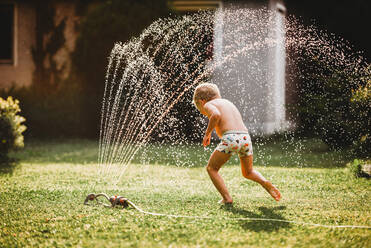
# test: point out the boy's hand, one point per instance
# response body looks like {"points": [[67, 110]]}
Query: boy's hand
{"points": [[206, 140]]}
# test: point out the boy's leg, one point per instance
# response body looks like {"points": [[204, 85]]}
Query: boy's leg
{"points": [[217, 159], [249, 173]]}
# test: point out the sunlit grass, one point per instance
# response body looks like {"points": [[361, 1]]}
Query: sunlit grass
{"points": [[41, 204]]}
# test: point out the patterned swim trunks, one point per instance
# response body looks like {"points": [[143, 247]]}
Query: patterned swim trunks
{"points": [[235, 142]]}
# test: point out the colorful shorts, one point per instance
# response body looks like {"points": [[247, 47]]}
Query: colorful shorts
{"points": [[235, 142]]}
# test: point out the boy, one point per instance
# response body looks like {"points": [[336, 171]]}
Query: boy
{"points": [[227, 121]]}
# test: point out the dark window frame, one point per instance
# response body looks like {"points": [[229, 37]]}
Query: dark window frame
{"points": [[11, 59]]}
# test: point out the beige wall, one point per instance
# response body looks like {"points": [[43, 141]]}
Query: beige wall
{"points": [[21, 71]]}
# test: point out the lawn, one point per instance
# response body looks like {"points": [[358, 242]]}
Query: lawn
{"points": [[41, 199]]}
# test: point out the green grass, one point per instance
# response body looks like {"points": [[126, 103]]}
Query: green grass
{"points": [[41, 200]]}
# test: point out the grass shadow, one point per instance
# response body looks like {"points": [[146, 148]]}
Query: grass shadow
{"points": [[264, 213], [8, 166]]}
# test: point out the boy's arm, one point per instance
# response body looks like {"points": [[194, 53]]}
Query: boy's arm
{"points": [[213, 114]]}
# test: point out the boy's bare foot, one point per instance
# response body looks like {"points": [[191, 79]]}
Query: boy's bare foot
{"points": [[272, 190], [223, 202]]}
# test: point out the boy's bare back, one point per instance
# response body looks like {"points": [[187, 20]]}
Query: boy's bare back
{"points": [[229, 116]]}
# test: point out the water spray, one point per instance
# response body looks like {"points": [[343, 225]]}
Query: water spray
{"points": [[124, 203], [147, 76]]}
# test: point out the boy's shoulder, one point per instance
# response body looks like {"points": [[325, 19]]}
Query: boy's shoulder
{"points": [[222, 103], [219, 101]]}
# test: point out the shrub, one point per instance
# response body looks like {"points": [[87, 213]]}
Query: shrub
{"points": [[11, 127], [357, 169], [361, 110], [335, 105]]}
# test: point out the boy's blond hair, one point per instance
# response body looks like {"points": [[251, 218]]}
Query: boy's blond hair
{"points": [[205, 91]]}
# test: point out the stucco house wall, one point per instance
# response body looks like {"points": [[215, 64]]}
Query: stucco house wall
{"points": [[21, 70]]}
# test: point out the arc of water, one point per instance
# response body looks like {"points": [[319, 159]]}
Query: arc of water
{"points": [[135, 95], [134, 149], [103, 112], [110, 127], [105, 120], [123, 135], [105, 107], [144, 124], [175, 80], [128, 72], [153, 112], [121, 121], [109, 124], [121, 125]]}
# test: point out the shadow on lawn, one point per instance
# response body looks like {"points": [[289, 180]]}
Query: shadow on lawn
{"points": [[8, 166], [264, 213]]}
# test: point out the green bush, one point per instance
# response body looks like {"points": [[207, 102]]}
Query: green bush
{"points": [[356, 168], [361, 110], [11, 127], [335, 106]]}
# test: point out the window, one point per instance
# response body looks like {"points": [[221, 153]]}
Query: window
{"points": [[6, 33], [193, 5]]}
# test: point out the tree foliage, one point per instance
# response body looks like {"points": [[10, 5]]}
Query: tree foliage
{"points": [[335, 105]]}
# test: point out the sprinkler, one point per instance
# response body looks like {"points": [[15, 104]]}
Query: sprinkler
{"points": [[114, 200], [119, 201]]}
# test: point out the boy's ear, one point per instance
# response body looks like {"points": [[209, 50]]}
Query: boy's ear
{"points": [[200, 103]]}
